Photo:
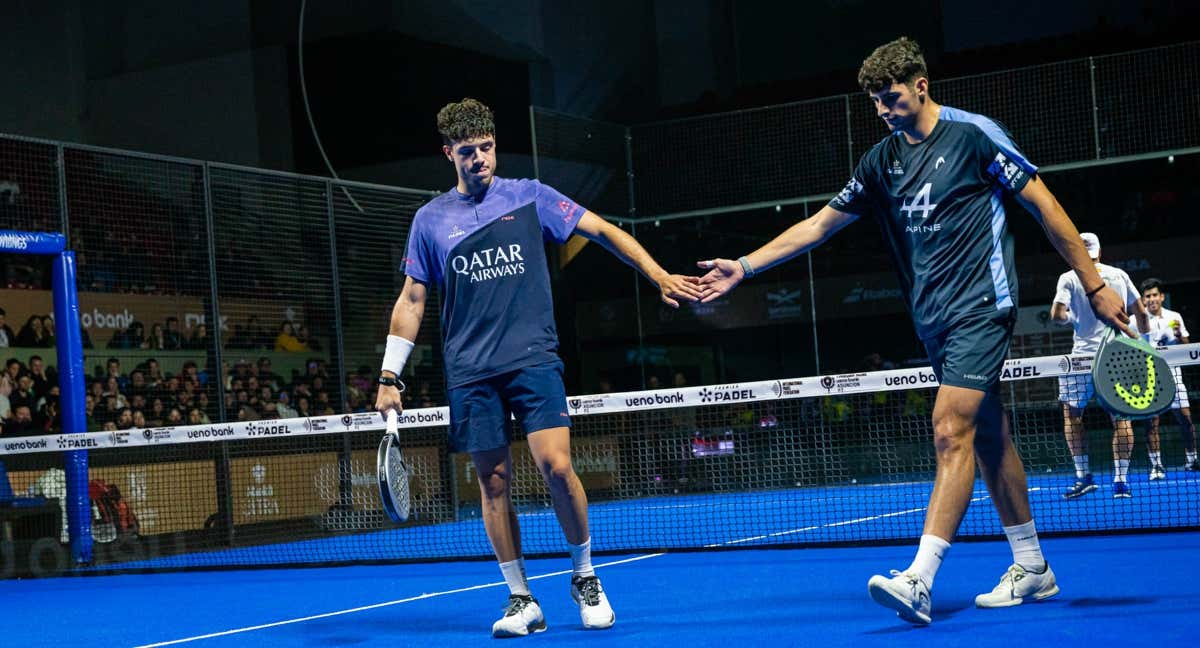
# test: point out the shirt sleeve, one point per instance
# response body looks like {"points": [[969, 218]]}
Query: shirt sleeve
{"points": [[1132, 296], [1182, 327], [854, 198], [418, 262], [558, 214], [1003, 163], [1062, 294]]}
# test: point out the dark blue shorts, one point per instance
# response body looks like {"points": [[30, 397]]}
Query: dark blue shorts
{"points": [[480, 412], [972, 351]]}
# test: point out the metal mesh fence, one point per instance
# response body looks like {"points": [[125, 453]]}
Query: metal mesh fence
{"points": [[1059, 114], [583, 158]]}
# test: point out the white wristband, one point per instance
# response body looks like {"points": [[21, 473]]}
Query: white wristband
{"points": [[398, 350]]}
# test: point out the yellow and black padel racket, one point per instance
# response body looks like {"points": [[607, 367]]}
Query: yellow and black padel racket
{"points": [[1132, 379]]}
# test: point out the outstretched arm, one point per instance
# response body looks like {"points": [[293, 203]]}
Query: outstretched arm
{"points": [[626, 248], [725, 274], [405, 323], [1036, 198]]}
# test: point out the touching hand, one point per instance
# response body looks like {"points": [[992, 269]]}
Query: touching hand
{"points": [[1111, 310], [674, 287], [723, 275], [388, 398]]}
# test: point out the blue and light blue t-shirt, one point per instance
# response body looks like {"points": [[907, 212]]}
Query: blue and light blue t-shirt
{"points": [[488, 259], [939, 206]]}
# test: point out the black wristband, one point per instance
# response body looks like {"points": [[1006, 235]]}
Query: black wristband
{"points": [[1094, 290], [388, 381]]}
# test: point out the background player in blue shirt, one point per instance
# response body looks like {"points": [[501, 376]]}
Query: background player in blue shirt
{"points": [[934, 187], [482, 245]]}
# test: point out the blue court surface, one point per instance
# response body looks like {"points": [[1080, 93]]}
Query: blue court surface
{"points": [[1119, 590]]}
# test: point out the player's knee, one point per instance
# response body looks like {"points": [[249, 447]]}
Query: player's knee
{"points": [[953, 433], [495, 484], [557, 470]]}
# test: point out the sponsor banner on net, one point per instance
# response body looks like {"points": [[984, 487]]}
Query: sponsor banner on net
{"points": [[270, 428], [27, 444], [81, 441], [587, 404], [1181, 354]]}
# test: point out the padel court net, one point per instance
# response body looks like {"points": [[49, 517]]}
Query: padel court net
{"points": [[813, 460]]}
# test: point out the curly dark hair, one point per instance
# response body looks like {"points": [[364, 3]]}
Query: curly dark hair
{"points": [[899, 61], [464, 120]]}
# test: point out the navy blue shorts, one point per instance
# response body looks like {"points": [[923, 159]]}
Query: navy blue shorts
{"points": [[971, 352], [480, 411]]}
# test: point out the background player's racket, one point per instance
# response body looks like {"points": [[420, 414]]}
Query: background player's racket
{"points": [[393, 472], [1132, 379]]}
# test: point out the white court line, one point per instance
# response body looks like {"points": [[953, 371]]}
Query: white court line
{"points": [[830, 525], [380, 605]]}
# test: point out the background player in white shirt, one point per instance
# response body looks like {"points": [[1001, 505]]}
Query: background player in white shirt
{"points": [[1167, 328], [1071, 305]]}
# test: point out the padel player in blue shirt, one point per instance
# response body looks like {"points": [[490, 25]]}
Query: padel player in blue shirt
{"points": [[935, 187], [482, 245]]}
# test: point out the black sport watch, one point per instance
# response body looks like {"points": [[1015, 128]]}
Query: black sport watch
{"points": [[389, 381]]}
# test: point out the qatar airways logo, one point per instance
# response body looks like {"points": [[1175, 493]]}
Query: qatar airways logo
{"points": [[490, 263]]}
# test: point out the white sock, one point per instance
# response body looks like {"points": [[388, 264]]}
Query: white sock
{"points": [[930, 555], [581, 558], [1121, 467], [1191, 456], [1155, 459], [514, 575], [1026, 550], [1081, 466]]}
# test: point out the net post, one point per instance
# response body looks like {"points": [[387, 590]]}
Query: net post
{"points": [[74, 414]]}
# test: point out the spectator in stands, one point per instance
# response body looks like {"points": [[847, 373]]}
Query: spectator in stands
{"points": [[124, 418], [306, 338], [14, 368], [139, 419], [246, 413], [48, 328], [172, 339], [196, 416], [6, 389], [138, 385], [154, 375], [133, 337], [284, 406], [24, 394], [158, 412], [302, 408], [174, 417], [33, 334], [266, 375], [89, 409], [21, 423], [42, 378], [286, 339], [113, 370], [157, 339], [199, 338], [7, 337]]}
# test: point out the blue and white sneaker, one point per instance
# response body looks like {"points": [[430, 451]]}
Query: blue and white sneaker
{"points": [[1121, 490], [905, 593], [1082, 487], [1157, 472]]}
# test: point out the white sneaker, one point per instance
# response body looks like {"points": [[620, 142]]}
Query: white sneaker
{"points": [[905, 593], [1017, 585], [594, 609], [522, 616], [1157, 473]]}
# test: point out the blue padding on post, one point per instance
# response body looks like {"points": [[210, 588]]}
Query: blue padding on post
{"points": [[74, 413], [32, 242]]}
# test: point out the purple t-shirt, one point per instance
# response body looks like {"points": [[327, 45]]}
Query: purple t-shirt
{"points": [[489, 261]]}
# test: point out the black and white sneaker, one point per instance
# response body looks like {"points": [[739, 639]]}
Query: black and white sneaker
{"points": [[522, 616], [594, 609]]}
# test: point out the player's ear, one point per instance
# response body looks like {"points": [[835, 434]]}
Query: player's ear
{"points": [[922, 87], [446, 152]]}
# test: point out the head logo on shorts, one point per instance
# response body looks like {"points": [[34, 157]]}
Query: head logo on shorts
{"points": [[1139, 399]]}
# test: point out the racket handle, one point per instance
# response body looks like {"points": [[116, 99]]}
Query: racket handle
{"points": [[391, 420]]}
